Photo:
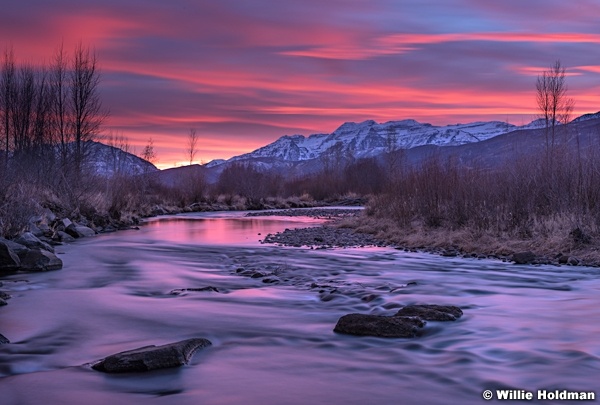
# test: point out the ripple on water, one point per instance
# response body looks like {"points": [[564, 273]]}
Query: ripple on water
{"points": [[523, 327]]}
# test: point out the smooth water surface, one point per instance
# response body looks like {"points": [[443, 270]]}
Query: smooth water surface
{"points": [[523, 327]]}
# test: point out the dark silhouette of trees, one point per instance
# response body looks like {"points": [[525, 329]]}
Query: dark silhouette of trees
{"points": [[86, 105], [7, 92], [247, 181], [48, 113], [60, 103]]}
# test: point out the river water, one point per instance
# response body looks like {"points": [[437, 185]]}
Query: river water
{"points": [[523, 327]]}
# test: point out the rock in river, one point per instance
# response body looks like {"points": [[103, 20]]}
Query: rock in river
{"points": [[405, 323], [432, 312], [151, 357], [376, 325]]}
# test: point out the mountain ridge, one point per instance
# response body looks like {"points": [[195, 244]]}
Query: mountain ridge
{"points": [[369, 138]]}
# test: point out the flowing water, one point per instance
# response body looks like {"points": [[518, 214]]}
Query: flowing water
{"points": [[523, 327]]}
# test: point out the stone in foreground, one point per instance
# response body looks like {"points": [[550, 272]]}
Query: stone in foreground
{"points": [[151, 357], [3, 340], [381, 326], [432, 312]]}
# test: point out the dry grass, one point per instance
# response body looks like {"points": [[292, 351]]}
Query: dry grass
{"points": [[548, 238]]}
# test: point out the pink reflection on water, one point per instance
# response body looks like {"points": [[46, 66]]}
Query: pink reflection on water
{"points": [[222, 230]]}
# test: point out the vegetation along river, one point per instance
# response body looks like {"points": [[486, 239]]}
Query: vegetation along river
{"points": [[270, 311]]}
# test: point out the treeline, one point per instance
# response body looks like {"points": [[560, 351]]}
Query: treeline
{"points": [[352, 176], [48, 113]]}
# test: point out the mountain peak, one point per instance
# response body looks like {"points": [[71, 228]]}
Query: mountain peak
{"points": [[369, 138]]}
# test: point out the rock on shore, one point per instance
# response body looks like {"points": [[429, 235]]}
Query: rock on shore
{"points": [[9, 260], [17, 257]]}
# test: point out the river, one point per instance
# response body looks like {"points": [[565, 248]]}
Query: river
{"points": [[524, 327]]}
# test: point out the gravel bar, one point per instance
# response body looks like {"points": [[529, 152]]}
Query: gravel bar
{"points": [[319, 213], [323, 237]]}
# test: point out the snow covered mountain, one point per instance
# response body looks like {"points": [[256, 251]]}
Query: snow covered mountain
{"points": [[369, 138]]}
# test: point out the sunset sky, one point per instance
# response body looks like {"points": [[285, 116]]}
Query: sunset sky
{"points": [[244, 73]]}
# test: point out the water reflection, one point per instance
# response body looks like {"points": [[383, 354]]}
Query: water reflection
{"points": [[523, 327], [221, 229]]}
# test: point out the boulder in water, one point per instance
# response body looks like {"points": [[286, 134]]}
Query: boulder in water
{"points": [[151, 357], [376, 325], [431, 312]]}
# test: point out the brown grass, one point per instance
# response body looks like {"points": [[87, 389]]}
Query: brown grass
{"points": [[548, 239]]}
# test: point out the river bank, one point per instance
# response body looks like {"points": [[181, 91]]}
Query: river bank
{"points": [[357, 229], [270, 314]]}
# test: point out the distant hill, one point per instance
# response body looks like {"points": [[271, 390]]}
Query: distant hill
{"points": [[107, 161]]}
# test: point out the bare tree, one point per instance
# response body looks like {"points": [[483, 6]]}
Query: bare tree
{"points": [[551, 96], [86, 105], [192, 145], [60, 102], [148, 153], [22, 108], [7, 90], [42, 134], [120, 147]]}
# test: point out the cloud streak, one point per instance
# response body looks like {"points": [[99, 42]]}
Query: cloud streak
{"points": [[244, 73]]}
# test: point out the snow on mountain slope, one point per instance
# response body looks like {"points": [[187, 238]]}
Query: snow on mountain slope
{"points": [[369, 138]]}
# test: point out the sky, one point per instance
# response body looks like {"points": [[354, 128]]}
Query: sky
{"points": [[243, 73]]}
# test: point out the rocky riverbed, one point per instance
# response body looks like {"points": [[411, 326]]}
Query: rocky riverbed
{"points": [[321, 237]]}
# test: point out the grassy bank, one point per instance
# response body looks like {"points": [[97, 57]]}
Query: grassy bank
{"points": [[548, 204], [120, 202], [549, 244]]}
